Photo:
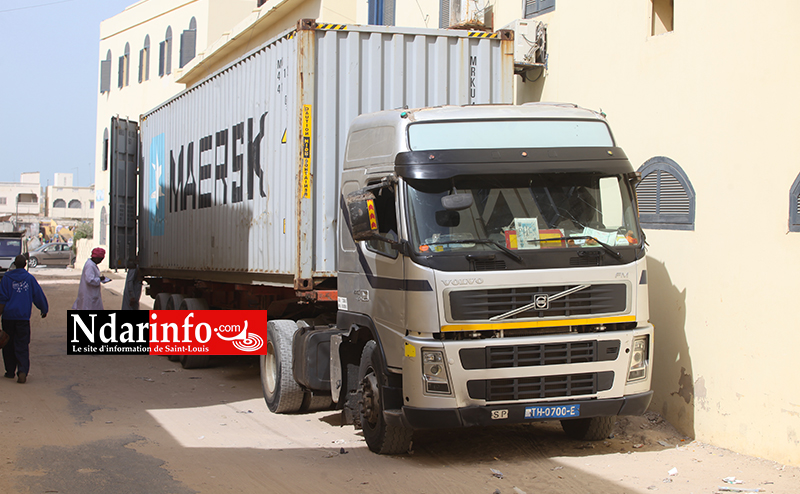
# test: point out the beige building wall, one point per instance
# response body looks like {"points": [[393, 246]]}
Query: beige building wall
{"points": [[722, 296]]}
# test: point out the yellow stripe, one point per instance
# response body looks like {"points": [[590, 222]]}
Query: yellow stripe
{"points": [[536, 324], [333, 27], [481, 34]]}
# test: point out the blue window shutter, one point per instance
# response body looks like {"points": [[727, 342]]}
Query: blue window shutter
{"points": [[105, 76], [188, 44], [665, 197], [141, 65], [794, 206], [444, 14], [168, 64], [388, 12], [161, 58]]}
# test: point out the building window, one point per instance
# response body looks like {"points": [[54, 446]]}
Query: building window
{"points": [[59, 203], [124, 67], [188, 43], [381, 12], [165, 54], [538, 7], [105, 149], [794, 206], [665, 196], [144, 60], [662, 17], [74, 204], [91, 204], [105, 74], [3, 201]]}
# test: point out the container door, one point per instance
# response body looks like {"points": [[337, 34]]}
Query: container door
{"points": [[123, 192]]}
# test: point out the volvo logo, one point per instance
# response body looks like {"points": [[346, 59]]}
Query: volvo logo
{"points": [[541, 301], [463, 282]]}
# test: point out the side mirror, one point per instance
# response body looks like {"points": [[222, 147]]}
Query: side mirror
{"points": [[457, 202], [363, 221]]}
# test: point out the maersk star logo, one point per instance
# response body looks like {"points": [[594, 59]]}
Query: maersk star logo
{"points": [[158, 171], [156, 183]]}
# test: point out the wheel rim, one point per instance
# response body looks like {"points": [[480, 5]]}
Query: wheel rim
{"points": [[271, 368], [370, 406]]}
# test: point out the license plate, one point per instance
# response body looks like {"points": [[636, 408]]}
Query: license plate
{"points": [[555, 412]]}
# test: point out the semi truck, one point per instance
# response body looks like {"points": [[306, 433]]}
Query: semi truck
{"points": [[429, 255]]}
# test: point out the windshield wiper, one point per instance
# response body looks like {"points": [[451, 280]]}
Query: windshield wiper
{"points": [[616, 255], [487, 241]]}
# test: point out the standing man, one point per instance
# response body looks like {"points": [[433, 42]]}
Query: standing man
{"points": [[18, 290], [89, 289]]}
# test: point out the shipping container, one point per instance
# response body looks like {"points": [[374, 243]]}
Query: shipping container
{"points": [[240, 174]]}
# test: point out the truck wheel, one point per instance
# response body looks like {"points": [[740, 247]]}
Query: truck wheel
{"points": [[590, 429], [381, 437], [160, 302], [191, 361], [281, 391], [313, 403], [174, 301]]}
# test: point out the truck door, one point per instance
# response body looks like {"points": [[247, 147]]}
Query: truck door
{"points": [[124, 160]]}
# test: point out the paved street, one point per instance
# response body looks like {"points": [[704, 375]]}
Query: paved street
{"points": [[142, 424]]}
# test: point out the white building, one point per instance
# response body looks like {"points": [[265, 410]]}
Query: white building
{"points": [[66, 204], [20, 203]]}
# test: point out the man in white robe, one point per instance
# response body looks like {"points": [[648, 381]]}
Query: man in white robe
{"points": [[91, 279]]}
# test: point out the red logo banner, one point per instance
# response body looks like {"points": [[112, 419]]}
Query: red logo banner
{"points": [[208, 332]]}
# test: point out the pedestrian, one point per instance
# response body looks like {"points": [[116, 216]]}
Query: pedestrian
{"points": [[133, 288], [18, 290], [91, 279]]}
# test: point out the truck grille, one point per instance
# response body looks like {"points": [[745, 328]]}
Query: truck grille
{"points": [[532, 388], [466, 305], [498, 357]]}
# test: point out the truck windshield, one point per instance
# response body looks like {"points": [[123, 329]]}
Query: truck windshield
{"points": [[523, 213], [10, 247]]}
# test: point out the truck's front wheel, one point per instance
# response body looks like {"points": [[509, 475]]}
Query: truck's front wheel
{"points": [[281, 391], [589, 429], [382, 438]]}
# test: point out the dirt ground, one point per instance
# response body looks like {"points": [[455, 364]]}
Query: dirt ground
{"points": [[142, 424]]}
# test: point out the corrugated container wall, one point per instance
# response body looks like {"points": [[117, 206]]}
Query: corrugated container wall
{"points": [[240, 174]]}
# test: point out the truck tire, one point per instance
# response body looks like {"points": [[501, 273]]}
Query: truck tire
{"points": [[382, 438], [312, 403], [589, 429], [191, 361], [160, 301], [174, 301], [281, 391]]}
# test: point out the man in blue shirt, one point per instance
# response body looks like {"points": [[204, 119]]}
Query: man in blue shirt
{"points": [[18, 290]]}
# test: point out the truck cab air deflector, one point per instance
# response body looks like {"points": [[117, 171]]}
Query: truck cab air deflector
{"points": [[444, 164]]}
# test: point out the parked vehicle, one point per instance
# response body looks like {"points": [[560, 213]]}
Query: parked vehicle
{"points": [[12, 244], [447, 266], [52, 254]]}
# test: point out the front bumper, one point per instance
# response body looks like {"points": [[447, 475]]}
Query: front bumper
{"points": [[427, 418]]}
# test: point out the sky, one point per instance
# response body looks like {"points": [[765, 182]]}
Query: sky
{"points": [[49, 70]]}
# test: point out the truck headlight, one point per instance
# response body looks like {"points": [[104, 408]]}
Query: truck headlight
{"points": [[434, 372], [640, 358]]}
